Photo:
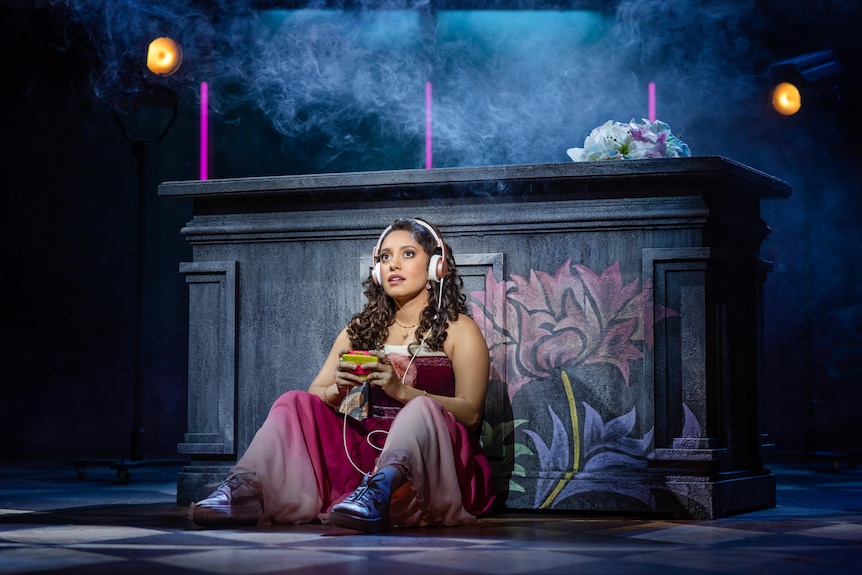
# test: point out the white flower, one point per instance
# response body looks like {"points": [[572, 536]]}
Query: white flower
{"points": [[618, 141]]}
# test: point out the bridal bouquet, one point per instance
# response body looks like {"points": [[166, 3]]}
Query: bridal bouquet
{"points": [[619, 141]]}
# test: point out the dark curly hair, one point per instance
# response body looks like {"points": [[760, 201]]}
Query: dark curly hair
{"points": [[368, 328]]}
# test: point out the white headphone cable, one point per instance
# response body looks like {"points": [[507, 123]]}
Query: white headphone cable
{"points": [[373, 431], [409, 364]]}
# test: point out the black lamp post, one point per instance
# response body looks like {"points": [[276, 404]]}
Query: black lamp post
{"points": [[145, 122], [144, 117]]}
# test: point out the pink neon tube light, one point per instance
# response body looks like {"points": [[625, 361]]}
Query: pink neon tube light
{"points": [[204, 130], [652, 101], [428, 153]]}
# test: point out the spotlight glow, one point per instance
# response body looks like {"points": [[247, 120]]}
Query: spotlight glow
{"points": [[786, 99], [164, 56]]}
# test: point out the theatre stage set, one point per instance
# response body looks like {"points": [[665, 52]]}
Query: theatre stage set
{"points": [[621, 302]]}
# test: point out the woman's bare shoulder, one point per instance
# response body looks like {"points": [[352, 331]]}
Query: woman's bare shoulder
{"points": [[464, 330], [463, 323]]}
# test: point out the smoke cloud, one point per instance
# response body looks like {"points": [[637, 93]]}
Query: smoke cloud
{"points": [[523, 88], [509, 87]]}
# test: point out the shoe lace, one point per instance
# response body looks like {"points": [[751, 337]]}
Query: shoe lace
{"points": [[369, 487]]}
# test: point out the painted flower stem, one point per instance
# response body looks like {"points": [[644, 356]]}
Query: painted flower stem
{"points": [[576, 443]]}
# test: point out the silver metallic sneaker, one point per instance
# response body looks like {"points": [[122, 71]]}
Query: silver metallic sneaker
{"points": [[236, 501]]}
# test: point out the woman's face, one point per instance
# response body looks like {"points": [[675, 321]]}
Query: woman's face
{"points": [[403, 266]]}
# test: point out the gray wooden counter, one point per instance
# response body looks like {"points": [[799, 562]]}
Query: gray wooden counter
{"points": [[621, 301]]}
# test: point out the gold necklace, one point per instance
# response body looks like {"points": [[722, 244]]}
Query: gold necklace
{"points": [[409, 328]]}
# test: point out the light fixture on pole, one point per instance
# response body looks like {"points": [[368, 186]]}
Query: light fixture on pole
{"points": [[799, 81], [144, 116]]}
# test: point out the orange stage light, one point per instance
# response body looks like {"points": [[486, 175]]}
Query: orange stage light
{"points": [[786, 99], [164, 56]]}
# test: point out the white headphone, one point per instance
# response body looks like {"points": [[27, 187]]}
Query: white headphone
{"points": [[437, 266]]}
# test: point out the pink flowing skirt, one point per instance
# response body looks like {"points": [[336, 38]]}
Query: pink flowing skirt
{"points": [[303, 469]]}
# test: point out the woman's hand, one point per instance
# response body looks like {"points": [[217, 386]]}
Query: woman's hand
{"points": [[332, 391], [336, 377], [345, 376], [383, 376]]}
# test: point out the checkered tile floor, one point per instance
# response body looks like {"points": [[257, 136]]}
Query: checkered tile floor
{"points": [[51, 522]]}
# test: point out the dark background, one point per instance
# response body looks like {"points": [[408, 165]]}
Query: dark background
{"points": [[70, 183]]}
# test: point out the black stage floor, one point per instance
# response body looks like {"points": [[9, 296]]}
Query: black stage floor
{"points": [[51, 521]]}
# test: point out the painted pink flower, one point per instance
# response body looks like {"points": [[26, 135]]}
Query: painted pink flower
{"points": [[535, 326], [492, 310]]}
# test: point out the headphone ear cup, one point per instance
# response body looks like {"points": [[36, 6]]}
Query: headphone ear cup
{"points": [[375, 274], [436, 268]]}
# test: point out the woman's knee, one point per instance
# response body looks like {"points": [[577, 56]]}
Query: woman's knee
{"points": [[422, 411], [422, 402]]}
